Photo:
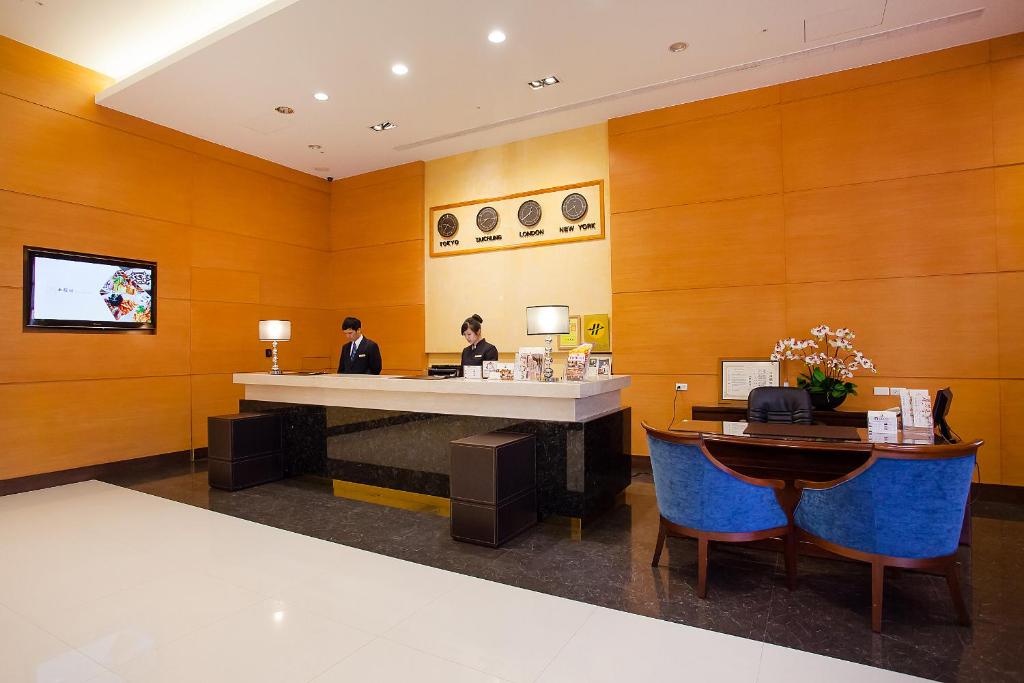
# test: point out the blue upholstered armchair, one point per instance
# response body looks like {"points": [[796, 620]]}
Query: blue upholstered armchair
{"points": [[903, 508], [699, 497]]}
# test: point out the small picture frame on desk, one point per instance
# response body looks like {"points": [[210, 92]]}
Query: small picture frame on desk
{"points": [[739, 375], [567, 342]]}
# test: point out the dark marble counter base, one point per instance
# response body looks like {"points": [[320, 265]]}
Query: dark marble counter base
{"points": [[581, 466]]}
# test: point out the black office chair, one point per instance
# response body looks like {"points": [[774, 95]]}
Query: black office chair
{"points": [[787, 405]]}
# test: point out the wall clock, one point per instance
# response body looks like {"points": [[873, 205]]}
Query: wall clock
{"points": [[529, 213], [574, 207], [487, 219], [447, 225]]}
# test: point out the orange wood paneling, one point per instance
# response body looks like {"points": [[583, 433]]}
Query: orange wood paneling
{"points": [[53, 356], [225, 337], [927, 225], [227, 197], [1011, 325], [724, 157], [739, 242], [715, 106], [376, 208], [399, 330], [1011, 401], [49, 426], [1008, 110], [1009, 182], [688, 331], [887, 72], [943, 326], [652, 397], [932, 124], [1006, 47], [212, 395], [50, 154], [383, 275], [219, 284], [38, 222]]}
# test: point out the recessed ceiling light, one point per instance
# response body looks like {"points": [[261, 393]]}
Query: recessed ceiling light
{"points": [[496, 36], [678, 47], [383, 125], [313, 146], [321, 96], [284, 110], [543, 82], [399, 69]]}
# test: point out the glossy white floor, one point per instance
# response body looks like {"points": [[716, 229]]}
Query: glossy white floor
{"points": [[103, 584]]}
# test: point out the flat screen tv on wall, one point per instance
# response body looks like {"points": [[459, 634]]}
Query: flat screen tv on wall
{"points": [[66, 290]]}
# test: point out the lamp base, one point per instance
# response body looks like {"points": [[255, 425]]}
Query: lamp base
{"points": [[549, 372]]}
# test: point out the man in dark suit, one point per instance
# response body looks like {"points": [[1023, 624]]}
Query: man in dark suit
{"points": [[360, 356]]}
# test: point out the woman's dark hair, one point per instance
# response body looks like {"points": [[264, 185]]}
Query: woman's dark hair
{"points": [[472, 323]]}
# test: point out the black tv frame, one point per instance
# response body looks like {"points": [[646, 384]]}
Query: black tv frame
{"points": [[30, 324]]}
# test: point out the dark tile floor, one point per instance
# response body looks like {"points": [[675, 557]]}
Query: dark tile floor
{"points": [[610, 566]]}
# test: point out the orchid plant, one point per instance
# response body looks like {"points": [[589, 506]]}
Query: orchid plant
{"points": [[831, 362]]}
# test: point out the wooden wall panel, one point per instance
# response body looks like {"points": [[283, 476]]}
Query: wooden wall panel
{"points": [[231, 198], [887, 72], [397, 329], [903, 206], [688, 331], [932, 124], [1008, 111], [50, 154], [382, 207], [652, 398], [55, 356], [700, 245], [27, 220], [76, 176], [917, 327], [724, 157], [384, 275], [681, 113], [1009, 181], [211, 395], [49, 426], [936, 224], [1011, 401]]}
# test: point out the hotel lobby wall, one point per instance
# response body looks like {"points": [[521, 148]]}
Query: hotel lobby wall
{"points": [[885, 198], [237, 239], [376, 263], [499, 285]]}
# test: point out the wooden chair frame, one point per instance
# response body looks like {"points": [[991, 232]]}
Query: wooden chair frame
{"points": [[667, 528], [945, 565]]}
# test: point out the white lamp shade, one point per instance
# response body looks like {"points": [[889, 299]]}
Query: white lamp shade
{"points": [[547, 320], [275, 330]]}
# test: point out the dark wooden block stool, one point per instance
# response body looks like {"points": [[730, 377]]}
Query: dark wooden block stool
{"points": [[493, 485], [246, 449]]}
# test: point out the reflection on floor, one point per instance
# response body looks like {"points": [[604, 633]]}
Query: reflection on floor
{"points": [[610, 568]]}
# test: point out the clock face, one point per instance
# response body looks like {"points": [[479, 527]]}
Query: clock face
{"points": [[447, 225], [574, 207], [487, 219], [529, 213]]}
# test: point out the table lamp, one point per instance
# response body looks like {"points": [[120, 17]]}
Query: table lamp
{"points": [[547, 320], [275, 331]]}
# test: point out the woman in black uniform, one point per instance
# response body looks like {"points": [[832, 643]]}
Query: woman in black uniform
{"points": [[479, 349]]}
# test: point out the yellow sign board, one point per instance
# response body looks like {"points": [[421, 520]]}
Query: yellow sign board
{"points": [[597, 330]]}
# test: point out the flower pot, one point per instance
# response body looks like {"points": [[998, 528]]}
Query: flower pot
{"points": [[826, 401]]}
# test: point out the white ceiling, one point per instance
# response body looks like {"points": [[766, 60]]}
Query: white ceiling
{"points": [[464, 93]]}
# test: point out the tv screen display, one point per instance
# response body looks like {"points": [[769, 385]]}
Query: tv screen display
{"points": [[69, 290]]}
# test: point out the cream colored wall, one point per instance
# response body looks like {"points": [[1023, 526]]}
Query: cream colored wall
{"points": [[499, 285]]}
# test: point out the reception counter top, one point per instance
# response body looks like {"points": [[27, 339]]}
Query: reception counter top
{"points": [[554, 401]]}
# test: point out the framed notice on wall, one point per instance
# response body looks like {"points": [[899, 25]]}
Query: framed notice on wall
{"points": [[740, 375]]}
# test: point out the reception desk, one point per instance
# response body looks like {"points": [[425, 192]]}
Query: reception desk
{"points": [[394, 432]]}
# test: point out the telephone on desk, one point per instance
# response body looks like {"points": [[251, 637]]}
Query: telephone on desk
{"points": [[444, 370]]}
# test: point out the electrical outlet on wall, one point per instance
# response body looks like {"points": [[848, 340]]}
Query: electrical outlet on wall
{"points": [[268, 353], [881, 391], [682, 386]]}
